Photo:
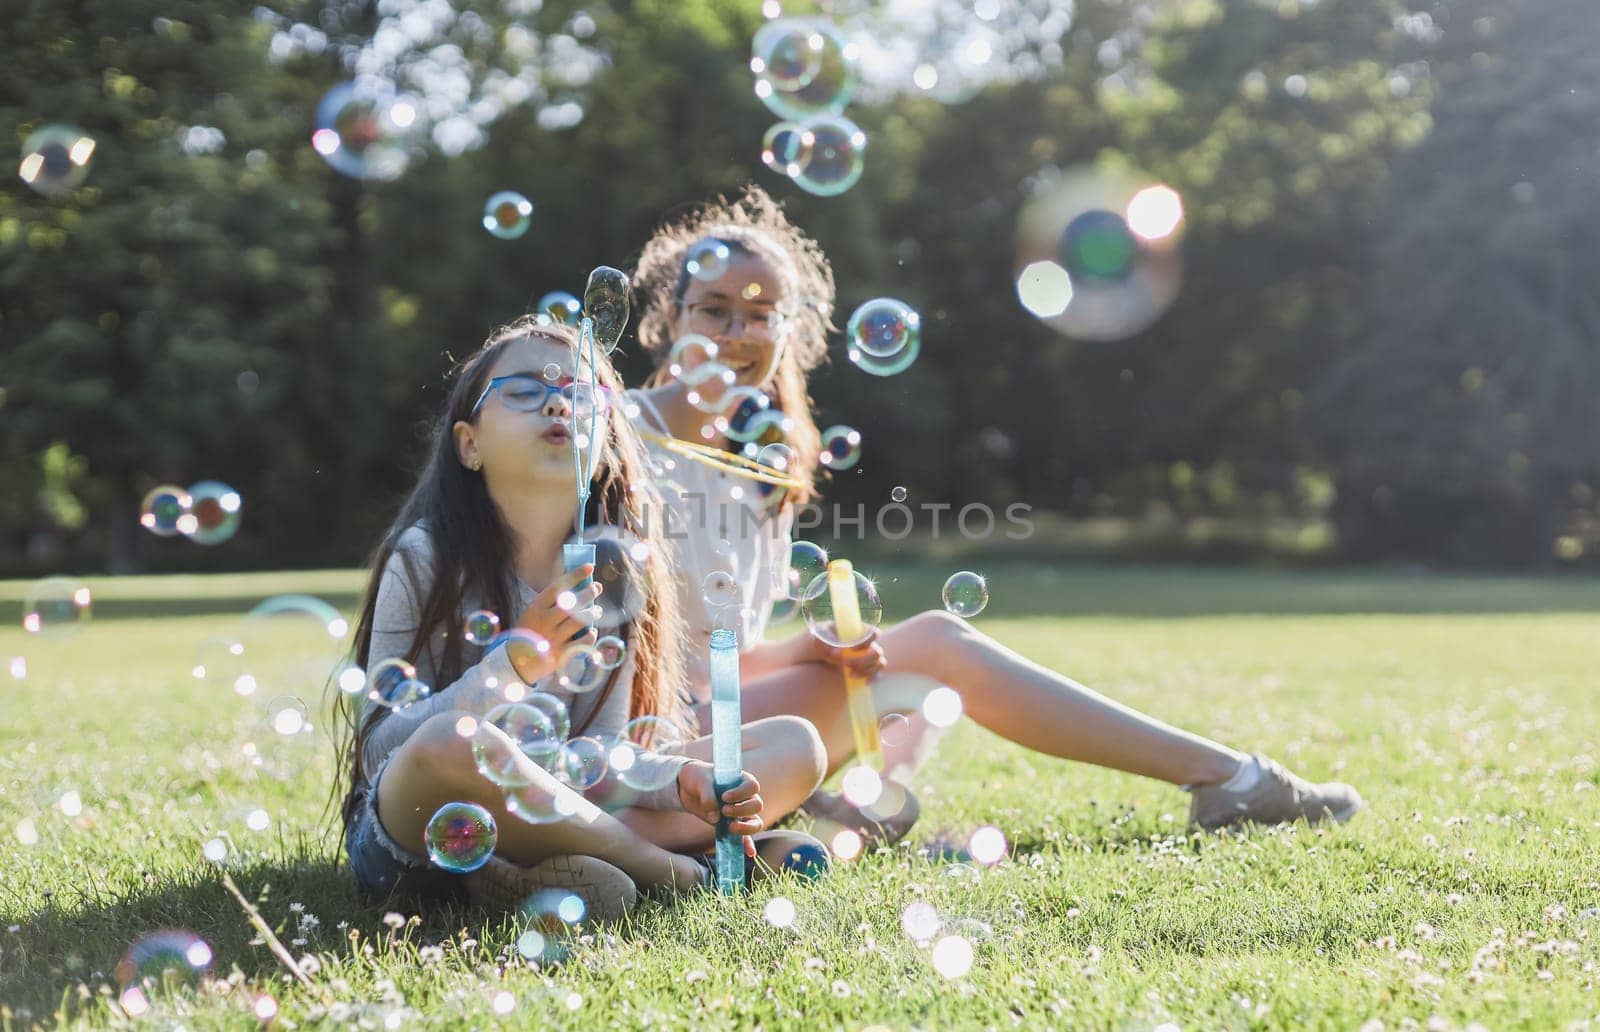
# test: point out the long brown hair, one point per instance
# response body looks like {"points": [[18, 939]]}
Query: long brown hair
{"points": [[473, 556], [752, 224]]}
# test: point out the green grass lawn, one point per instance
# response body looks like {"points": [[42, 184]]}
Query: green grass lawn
{"points": [[1465, 709]]}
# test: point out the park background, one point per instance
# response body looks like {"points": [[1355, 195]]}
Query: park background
{"points": [[1383, 348]]}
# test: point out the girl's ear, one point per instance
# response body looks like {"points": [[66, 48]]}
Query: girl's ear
{"points": [[466, 447]]}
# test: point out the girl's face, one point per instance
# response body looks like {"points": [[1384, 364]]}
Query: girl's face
{"points": [[744, 311], [527, 416]]}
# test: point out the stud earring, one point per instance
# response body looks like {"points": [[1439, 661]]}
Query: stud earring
{"points": [[477, 464]]}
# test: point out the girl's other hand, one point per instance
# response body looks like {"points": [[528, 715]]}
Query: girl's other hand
{"points": [[866, 660], [560, 627]]}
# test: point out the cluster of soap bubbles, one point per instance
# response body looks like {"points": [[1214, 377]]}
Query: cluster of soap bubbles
{"points": [[952, 945], [516, 739], [364, 129], [281, 653], [805, 73], [548, 918], [208, 513], [1099, 252]]}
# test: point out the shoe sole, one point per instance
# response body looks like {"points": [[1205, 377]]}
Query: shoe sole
{"points": [[607, 892]]}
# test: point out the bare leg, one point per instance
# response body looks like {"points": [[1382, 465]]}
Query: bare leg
{"points": [[785, 754], [907, 747], [435, 766], [1006, 693]]}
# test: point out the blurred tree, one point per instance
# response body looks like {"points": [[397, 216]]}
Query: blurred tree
{"points": [[147, 312], [1463, 425]]}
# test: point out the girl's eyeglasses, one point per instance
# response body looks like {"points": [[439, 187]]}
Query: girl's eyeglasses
{"points": [[522, 393]]}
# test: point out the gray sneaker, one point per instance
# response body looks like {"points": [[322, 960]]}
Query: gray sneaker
{"points": [[1277, 797], [607, 892], [826, 809]]}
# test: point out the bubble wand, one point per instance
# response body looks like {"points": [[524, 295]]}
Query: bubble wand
{"points": [[605, 313], [726, 747], [858, 695]]}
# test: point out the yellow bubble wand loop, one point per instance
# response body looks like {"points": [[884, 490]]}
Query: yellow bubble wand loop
{"points": [[726, 462], [858, 694]]}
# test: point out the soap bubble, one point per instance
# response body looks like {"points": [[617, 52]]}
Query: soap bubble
{"points": [[707, 259], [554, 709], [560, 306], [55, 159], [481, 627], [884, 336], [788, 54], [162, 508], [362, 129], [56, 606], [720, 588], [1099, 253], [818, 609], [507, 214], [582, 763], [883, 328], [894, 729], [644, 738], [755, 422], [581, 669], [952, 956], [786, 148], [841, 447], [836, 158], [612, 651], [293, 644], [550, 916], [605, 302], [965, 594], [163, 960], [942, 707], [392, 684], [780, 458], [861, 785], [461, 837], [779, 912], [530, 732], [214, 513], [920, 922], [805, 563], [829, 88], [988, 845], [709, 386], [690, 352], [620, 568]]}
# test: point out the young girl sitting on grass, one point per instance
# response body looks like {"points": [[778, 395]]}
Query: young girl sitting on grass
{"points": [[483, 529], [767, 310]]}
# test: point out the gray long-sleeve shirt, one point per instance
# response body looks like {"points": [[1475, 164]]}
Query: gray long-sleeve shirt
{"points": [[481, 686]]}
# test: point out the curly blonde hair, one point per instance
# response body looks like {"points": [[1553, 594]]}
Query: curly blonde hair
{"points": [[751, 224]]}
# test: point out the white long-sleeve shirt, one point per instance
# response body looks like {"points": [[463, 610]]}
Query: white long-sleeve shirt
{"points": [[719, 529], [481, 686]]}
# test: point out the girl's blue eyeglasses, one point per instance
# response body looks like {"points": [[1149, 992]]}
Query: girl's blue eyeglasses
{"points": [[522, 393]]}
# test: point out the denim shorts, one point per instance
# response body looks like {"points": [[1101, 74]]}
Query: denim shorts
{"points": [[383, 868]]}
